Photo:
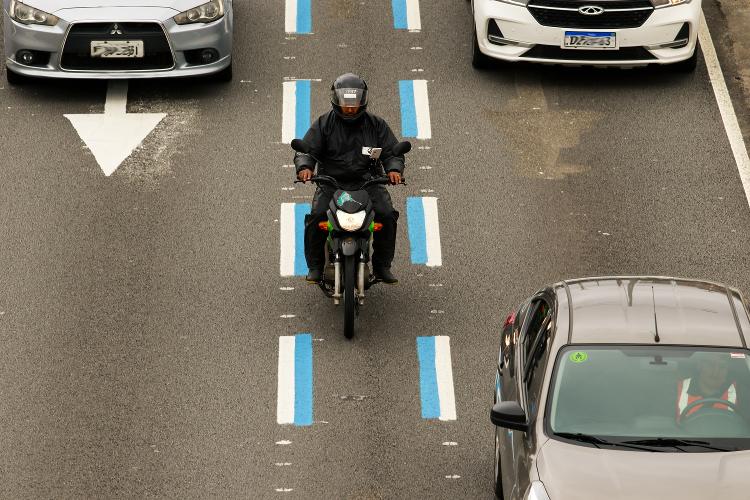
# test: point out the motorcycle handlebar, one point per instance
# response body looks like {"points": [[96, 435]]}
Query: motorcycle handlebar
{"points": [[324, 179]]}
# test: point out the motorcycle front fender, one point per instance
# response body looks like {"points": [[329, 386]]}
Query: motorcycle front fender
{"points": [[349, 247]]}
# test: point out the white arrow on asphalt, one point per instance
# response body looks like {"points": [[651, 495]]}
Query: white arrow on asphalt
{"points": [[113, 136]]}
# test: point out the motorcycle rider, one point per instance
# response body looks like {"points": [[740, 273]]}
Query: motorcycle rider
{"points": [[341, 139]]}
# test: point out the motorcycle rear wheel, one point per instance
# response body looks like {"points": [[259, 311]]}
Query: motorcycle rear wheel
{"points": [[349, 297]]}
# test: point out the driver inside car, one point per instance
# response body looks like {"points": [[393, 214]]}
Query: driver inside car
{"points": [[342, 139], [711, 380]]}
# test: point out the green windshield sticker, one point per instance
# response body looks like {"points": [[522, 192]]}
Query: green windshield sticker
{"points": [[344, 197], [578, 357]]}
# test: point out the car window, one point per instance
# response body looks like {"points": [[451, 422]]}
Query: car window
{"points": [[644, 393], [535, 348]]}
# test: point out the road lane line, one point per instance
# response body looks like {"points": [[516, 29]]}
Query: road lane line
{"points": [[292, 239], [724, 100], [295, 118], [424, 231], [415, 109], [294, 404], [444, 371], [406, 15], [428, 389], [285, 394], [298, 16]]}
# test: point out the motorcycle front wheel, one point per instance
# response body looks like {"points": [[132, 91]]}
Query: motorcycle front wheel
{"points": [[349, 298]]}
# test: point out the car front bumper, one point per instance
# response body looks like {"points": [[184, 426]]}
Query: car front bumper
{"points": [[181, 38], [534, 42]]}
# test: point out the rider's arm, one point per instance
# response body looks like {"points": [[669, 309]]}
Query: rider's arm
{"points": [[314, 138], [388, 140]]}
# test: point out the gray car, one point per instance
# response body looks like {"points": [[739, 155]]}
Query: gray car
{"points": [[624, 388], [109, 39]]}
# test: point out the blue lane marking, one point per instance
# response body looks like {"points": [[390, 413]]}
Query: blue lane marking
{"points": [[300, 265], [399, 14], [303, 380], [417, 232], [302, 113], [408, 108], [304, 16], [428, 389]]}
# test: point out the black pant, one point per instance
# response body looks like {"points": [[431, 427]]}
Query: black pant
{"points": [[384, 242]]}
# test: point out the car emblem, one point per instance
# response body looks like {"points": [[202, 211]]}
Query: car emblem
{"points": [[115, 30], [591, 10]]}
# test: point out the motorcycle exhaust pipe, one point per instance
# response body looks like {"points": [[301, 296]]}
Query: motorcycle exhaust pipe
{"points": [[361, 283], [337, 282]]}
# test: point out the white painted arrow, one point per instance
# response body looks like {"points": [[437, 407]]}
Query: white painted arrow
{"points": [[114, 135]]}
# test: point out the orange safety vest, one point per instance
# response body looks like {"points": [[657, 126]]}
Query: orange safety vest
{"points": [[684, 399]]}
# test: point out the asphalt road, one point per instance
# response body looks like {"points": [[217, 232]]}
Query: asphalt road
{"points": [[140, 313]]}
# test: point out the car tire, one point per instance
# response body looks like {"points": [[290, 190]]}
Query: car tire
{"points": [[479, 60], [223, 76], [498, 475], [689, 64], [15, 78]]}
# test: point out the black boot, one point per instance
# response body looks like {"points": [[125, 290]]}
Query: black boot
{"points": [[385, 275], [314, 276]]}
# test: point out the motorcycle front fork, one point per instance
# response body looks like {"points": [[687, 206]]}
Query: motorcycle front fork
{"points": [[337, 282]]}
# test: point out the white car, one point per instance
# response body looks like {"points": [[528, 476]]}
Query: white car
{"points": [[587, 32], [117, 38]]}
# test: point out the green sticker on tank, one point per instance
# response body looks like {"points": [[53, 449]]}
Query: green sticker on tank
{"points": [[578, 357]]}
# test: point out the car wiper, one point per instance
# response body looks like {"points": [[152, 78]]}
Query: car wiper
{"points": [[598, 442], [675, 443]]}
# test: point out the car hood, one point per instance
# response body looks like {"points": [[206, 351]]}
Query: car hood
{"points": [[54, 6], [582, 473]]}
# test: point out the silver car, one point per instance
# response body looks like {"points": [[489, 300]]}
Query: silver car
{"points": [[109, 39]]}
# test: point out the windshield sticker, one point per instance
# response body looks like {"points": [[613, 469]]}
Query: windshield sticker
{"points": [[737, 355], [344, 197], [578, 357]]}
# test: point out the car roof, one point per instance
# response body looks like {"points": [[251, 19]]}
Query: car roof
{"points": [[630, 309]]}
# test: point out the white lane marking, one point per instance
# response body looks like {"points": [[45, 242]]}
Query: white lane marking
{"points": [[285, 401], [413, 20], [450, 443], [283, 442], [289, 109], [290, 16], [445, 378], [286, 288], [284, 490], [432, 228], [288, 316], [421, 103], [113, 136], [454, 476], [283, 464], [724, 100], [288, 244]]}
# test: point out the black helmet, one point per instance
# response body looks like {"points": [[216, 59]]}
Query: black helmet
{"points": [[349, 91]]}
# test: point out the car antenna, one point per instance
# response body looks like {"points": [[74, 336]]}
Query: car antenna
{"points": [[656, 324]]}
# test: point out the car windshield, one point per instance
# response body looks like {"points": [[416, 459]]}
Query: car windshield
{"points": [[652, 397]]}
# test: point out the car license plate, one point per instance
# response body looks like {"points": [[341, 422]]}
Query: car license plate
{"points": [[116, 49], [590, 40]]}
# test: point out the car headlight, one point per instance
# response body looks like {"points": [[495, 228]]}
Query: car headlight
{"points": [[351, 222], [537, 492], [658, 4], [210, 11], [29, 15]]}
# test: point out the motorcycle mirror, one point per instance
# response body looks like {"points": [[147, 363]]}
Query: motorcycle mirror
{"points": [[300, 146], [401, 148]]}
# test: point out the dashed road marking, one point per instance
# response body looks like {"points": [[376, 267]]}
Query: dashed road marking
{"points": [[424, 231], [292, 239], [415, 109], [295, 118], [298, 16], [436, 378], [406, 15], [295, 380]]}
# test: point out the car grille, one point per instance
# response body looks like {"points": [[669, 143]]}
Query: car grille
{"points": [[621, 54], [617, 13], [76, 53]]}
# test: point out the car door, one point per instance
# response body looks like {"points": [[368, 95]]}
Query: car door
{"points": [[532, 355]]}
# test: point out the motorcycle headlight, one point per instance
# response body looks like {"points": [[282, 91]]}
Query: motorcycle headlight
{"points": [[658, 4], [29, 15], [351, 222], [210, 11], [537, 492]]}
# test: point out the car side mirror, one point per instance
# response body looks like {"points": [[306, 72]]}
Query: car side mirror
{"points": [[509, 414]]}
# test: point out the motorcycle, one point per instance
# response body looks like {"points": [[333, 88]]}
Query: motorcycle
{"points": [[350, 227]]}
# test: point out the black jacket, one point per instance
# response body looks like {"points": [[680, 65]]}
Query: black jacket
{"points": [[338, 145]]}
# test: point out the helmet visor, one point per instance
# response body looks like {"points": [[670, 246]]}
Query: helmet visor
{"points": [[349, 98]]}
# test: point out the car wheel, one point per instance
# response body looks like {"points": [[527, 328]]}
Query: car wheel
{"points": [[223, 76], [478, 59], [689, 64], [15, 78], [498, 474]]}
